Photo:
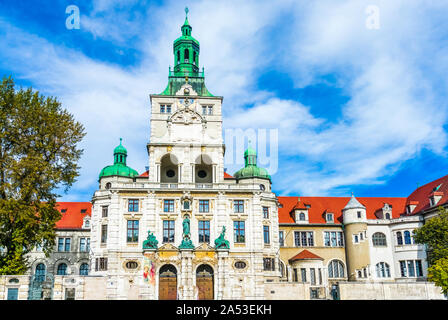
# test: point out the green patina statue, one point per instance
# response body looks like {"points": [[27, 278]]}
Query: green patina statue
{"points": [[151, 242], [186, 241], [220, 242]]}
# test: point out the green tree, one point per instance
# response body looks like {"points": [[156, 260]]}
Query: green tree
{"points": [[434, 234], [38, 155]]}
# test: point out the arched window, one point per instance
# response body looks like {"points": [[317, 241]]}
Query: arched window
{"points": [[302, 216], [178, 56], [194, 57], [382, 270], [399, 238], [186, 56], [62, 269], [40, 272], [388, 216], [407, 237], [379, 239], [84, 269], [335, 269]]}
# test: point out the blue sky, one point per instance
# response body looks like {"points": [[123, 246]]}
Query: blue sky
{"points": [[356, 109]]}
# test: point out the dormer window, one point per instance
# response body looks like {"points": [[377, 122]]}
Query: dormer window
{"points": [[435, 197], [300, 216], [63, 210], [329, 217], [86, 223], [83, 210]]}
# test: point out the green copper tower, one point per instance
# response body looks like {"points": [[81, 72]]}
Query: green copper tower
{"points": [[186, 64], [251, 170], [119, 168]]}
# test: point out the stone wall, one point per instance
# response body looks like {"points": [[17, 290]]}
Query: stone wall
{"points": [[389, 291], [95, 288], [11, 282]]}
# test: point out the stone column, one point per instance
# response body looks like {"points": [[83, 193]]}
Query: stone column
{"points": [[222, 275], [186, 275]]}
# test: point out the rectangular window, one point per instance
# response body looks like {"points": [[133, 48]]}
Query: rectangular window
{"points": [[238, 206], [13, 293], [168, 205], [266, 234], [361, 236], [165, 108], [88, 245], [403, 268], [329, 217], [304, 238], [100, 264], [132, 232], [204, 206], [320, 276], [104, 233], [303, 274], [265, 213], [411, 270], [67, 244], [356, 238], [133, 205], [333, 239], [313, 276], [204, 110], [204, 231], [105, 211], [418, 268], [239, 231], [359, 214], [327, 242], [82, 244], [210, 110], [69, 293], [296, 277], [281, 238], [268, 264], [168, 230], [340, 239], [61, 244]]}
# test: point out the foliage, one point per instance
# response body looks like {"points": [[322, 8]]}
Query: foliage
{"points": [[438, 273], [38, 154], [434, 234]]}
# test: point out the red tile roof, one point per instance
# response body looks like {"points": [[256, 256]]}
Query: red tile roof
{"points": [[321, 205], [421, 195], [305, 255], [227, 176], [72, 218], [145, 174]]}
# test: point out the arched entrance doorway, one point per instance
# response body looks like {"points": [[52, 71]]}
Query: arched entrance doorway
{"points": [[167, 282], [204, 282]]}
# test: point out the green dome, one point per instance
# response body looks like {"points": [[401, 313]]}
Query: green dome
{"points": [[119, 168], [251, 170]]}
